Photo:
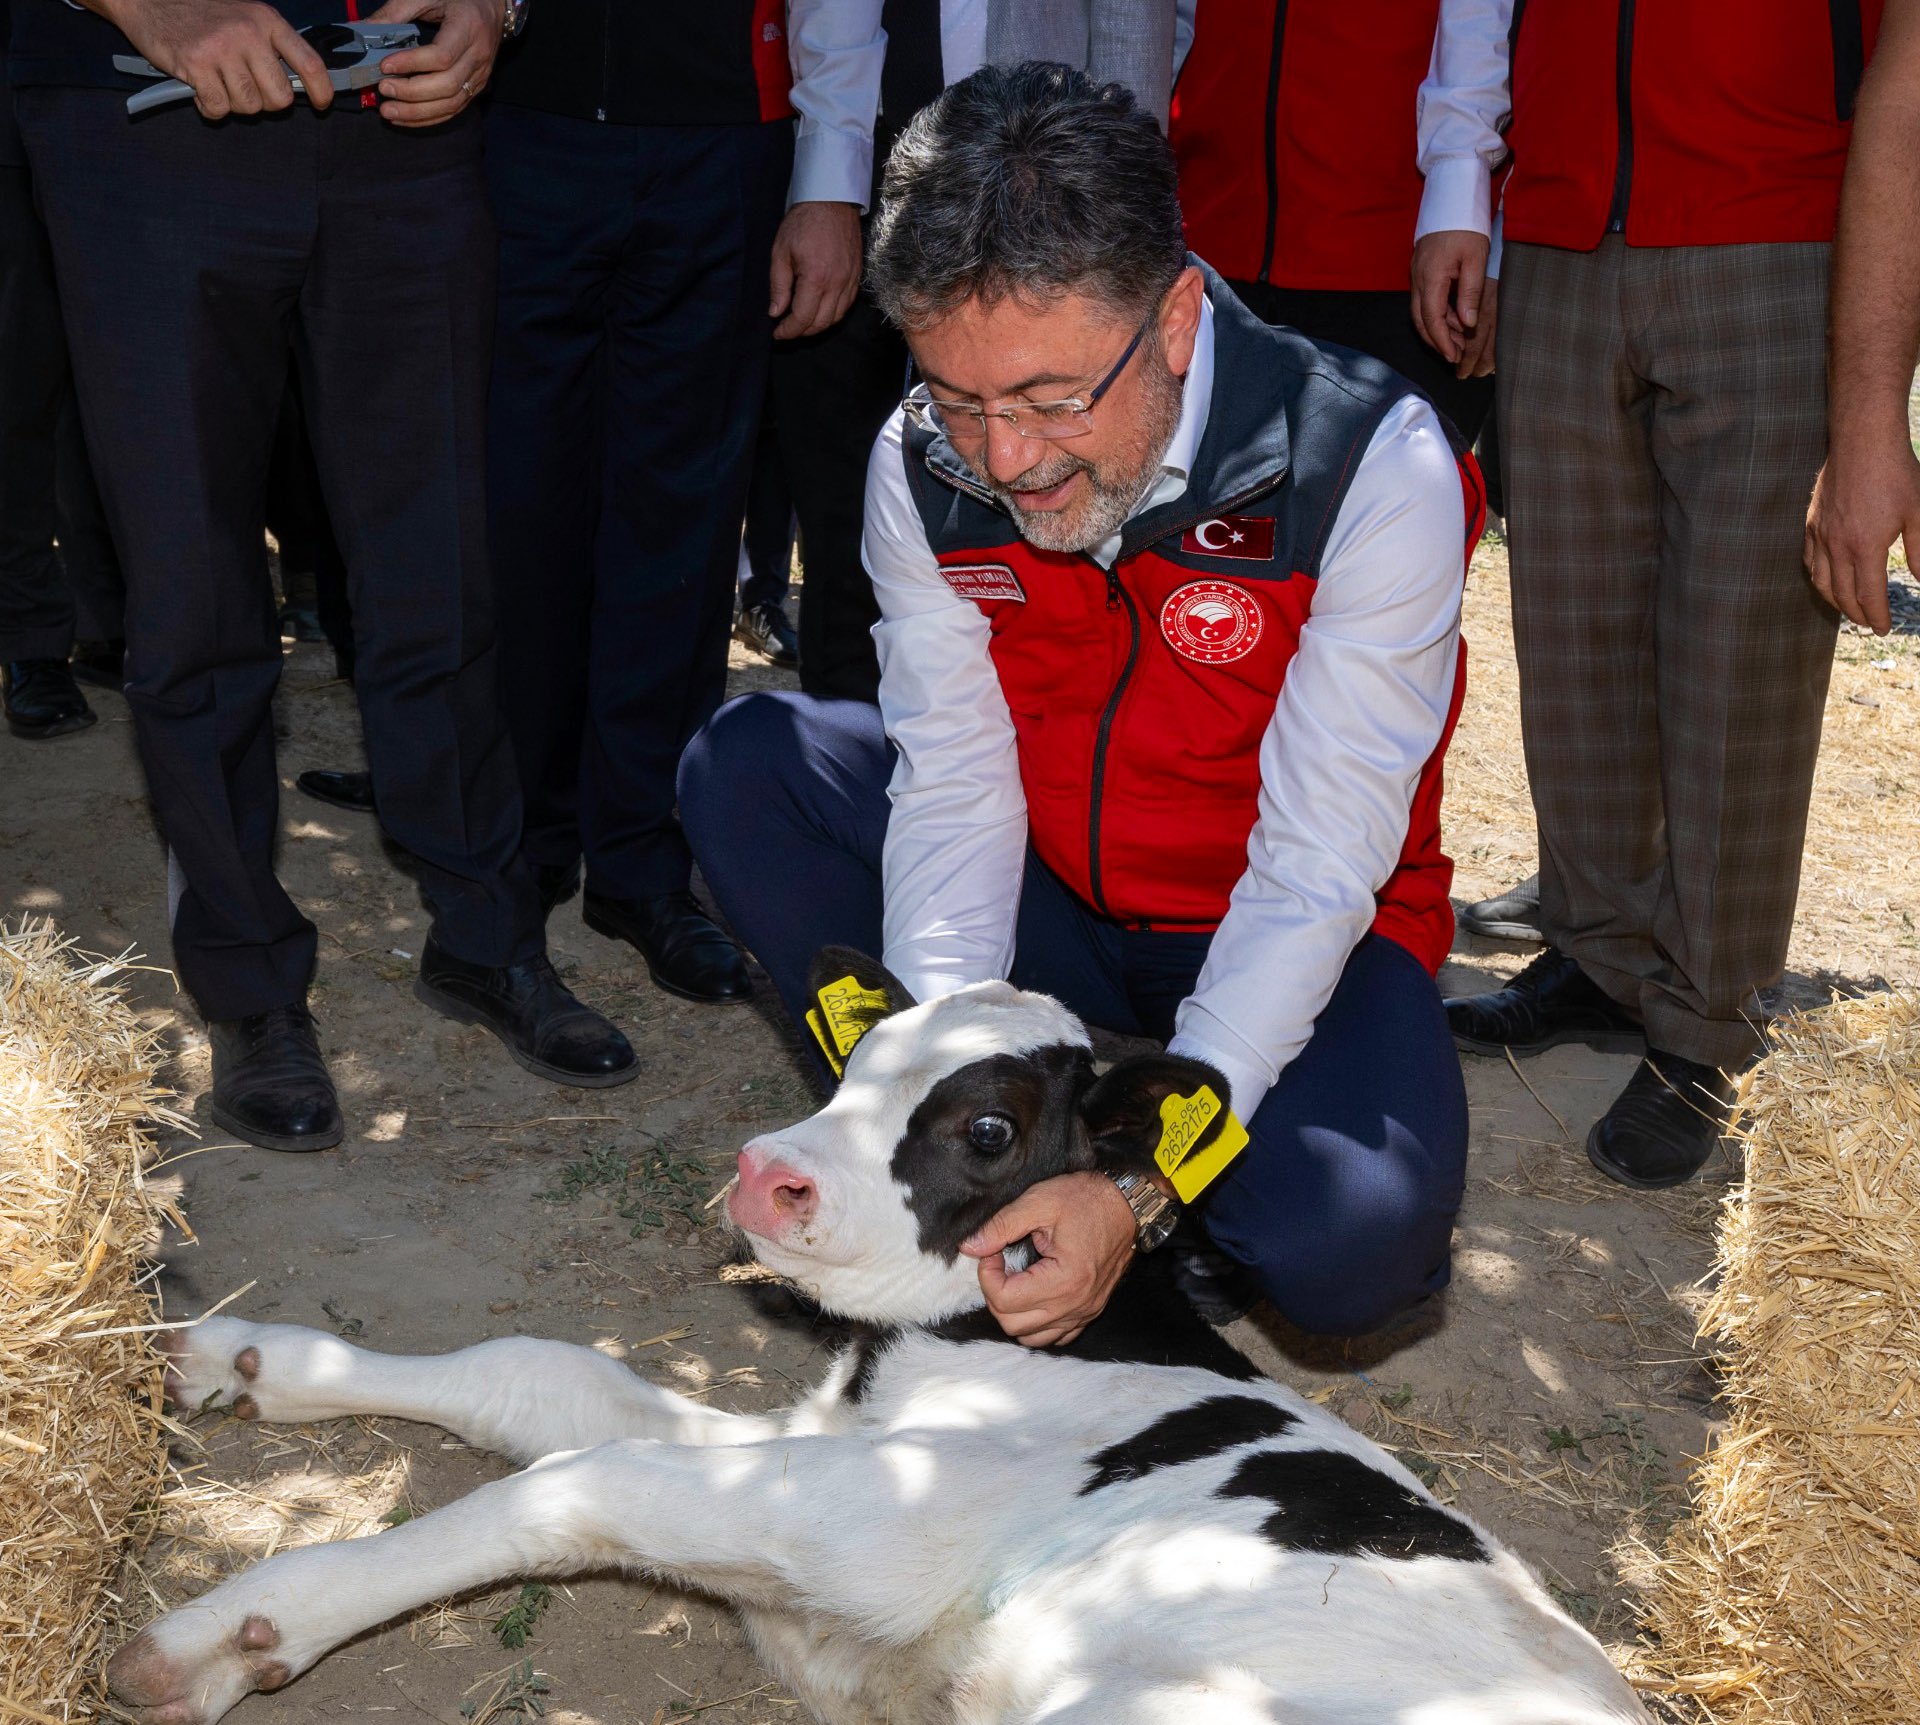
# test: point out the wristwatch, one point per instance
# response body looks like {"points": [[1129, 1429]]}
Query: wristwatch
{"points": [[1154, 1213], [516, 18]]}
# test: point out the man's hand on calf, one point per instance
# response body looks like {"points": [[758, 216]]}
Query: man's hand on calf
{"points": [[229, 51], [429, 85], [1083, 1231]]}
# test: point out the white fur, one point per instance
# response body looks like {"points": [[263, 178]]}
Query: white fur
{"points": [[924, 1556]]}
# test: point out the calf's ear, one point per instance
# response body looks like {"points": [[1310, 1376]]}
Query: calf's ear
{"points": [[850, 994], [1130, 1110]]}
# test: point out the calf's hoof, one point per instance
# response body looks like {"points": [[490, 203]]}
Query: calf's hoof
{"points": [[213, 1364], [190, 1667]]}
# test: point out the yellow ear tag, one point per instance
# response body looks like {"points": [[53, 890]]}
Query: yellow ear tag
{"points": [[846, 1013], [1183, 1123]]}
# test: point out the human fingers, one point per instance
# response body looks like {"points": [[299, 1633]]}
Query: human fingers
{"points": [[805, 317], [290, 46], [1019, 1219]]}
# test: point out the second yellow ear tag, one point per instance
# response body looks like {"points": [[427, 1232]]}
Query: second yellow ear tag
{"points": [[847, 1011], [1183, 1123]]}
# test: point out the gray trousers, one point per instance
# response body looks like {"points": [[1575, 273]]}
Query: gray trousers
{"points": [[1663, 412]]}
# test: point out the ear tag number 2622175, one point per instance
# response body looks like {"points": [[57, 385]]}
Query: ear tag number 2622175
{"points": [[844, 1012], [1181, 1156]]}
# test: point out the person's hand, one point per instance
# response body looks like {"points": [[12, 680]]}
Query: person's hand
{"points": [[1083, 1230], [1476, 356], [229, 51], [816, 268], [1864, 499], [429, 85], [1449, 281]]}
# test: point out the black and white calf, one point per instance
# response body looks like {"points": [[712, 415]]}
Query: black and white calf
{"points": [[952, 1528]]}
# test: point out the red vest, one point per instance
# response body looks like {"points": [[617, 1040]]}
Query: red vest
{"points": [[1682, 122], [1140, 696], [1293, 122]]}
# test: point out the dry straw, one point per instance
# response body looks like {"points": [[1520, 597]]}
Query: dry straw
{"points": [[1793, 1594], [82, 1440]]}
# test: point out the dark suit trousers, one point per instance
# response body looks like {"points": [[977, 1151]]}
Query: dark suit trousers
{"points": [[629, 363], [192, 258], [831, 393], [46, 483]]}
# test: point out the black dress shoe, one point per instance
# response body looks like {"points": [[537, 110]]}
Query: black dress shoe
{"points": [[529, 1008], [766, 630], [42, 700], [101, 663], [270, 1086], [1662, 1128], [1511, 915], [344, 790], [1219, 1289], [687, 952], [556, 883], [1550, 1002]]}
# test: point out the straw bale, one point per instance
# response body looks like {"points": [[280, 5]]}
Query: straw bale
{"points": [[1793, 1592], [82, 1445]]}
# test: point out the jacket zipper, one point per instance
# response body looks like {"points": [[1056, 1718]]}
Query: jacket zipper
{"points": [[1117, 596], [1273, 137], [1623, 103], [606, 62]]}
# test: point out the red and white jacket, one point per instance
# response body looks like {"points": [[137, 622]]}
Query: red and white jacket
{"points": [[1231, 717]]}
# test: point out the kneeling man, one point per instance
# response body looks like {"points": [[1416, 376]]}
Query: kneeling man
{"points": [[1170, 655]]}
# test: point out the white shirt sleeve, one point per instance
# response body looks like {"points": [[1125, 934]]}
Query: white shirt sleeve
{"points": [[836, 49], [957, 835], [1462, 115], [1360, 713]]}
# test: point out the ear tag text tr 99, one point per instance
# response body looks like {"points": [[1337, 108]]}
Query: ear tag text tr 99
{"points": [[843, 1012], [1191, 1164]]}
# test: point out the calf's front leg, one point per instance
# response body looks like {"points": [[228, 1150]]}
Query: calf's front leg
{"points": [[756, 1523], [516, 1395]]}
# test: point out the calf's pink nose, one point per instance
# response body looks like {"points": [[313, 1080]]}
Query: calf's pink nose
{"points": [[770, 1197]]}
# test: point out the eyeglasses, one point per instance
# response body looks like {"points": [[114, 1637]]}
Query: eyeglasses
{"points": [[963, 423]]}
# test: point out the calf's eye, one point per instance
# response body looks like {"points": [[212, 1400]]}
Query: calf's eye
{"points": [[991, 1132]]}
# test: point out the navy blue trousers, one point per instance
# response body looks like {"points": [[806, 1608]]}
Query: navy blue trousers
{"points": [[629, 362], [1343, 1203]]}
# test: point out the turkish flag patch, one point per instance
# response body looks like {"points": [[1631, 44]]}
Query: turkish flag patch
{"points": [[983, 581], [1231, 536]]}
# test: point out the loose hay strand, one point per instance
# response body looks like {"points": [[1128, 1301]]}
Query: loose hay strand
{"points": [[1792, 1596], [80, 1416]]}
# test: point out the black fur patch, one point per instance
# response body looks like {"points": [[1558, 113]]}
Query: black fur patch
{"points": [[868, 1346], [1327, 1501], [1192, 1433], [954, 1188], [1147, 1322]]}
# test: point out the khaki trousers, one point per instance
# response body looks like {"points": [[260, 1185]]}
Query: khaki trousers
{"points": [[1663, 414]]}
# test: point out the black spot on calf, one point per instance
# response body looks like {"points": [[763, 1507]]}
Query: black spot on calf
{"points": [[1327, 1501], [1191, 1433]]}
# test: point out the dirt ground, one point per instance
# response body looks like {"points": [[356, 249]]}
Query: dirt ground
{"points": [[1556, 1396]]}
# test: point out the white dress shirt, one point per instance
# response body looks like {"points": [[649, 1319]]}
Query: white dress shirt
{"points": [[835, 49], [1463, 108], [1361, 711]]}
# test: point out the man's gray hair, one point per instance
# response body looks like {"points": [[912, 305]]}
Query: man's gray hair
{"points": [[1028, 181]]}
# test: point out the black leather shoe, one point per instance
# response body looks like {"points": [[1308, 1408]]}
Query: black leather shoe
{"points": [[687, 952], [556, 883], [1511, 915], [1220, 1290], [1662, 1128], [529, 1008], [766, 630], [101, 663], [42, 700], [270, 1086], [1550, 1002], [344, 790]]}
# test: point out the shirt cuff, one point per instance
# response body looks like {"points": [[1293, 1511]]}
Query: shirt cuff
{"points": [[1459, 194], [1246, 1077], [830, 167]]}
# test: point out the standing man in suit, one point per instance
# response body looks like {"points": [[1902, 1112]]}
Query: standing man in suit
{"points": [[662, 219], [196, 247]]}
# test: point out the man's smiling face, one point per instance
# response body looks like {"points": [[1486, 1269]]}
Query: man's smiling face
{"points": [[1071, 494]]}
